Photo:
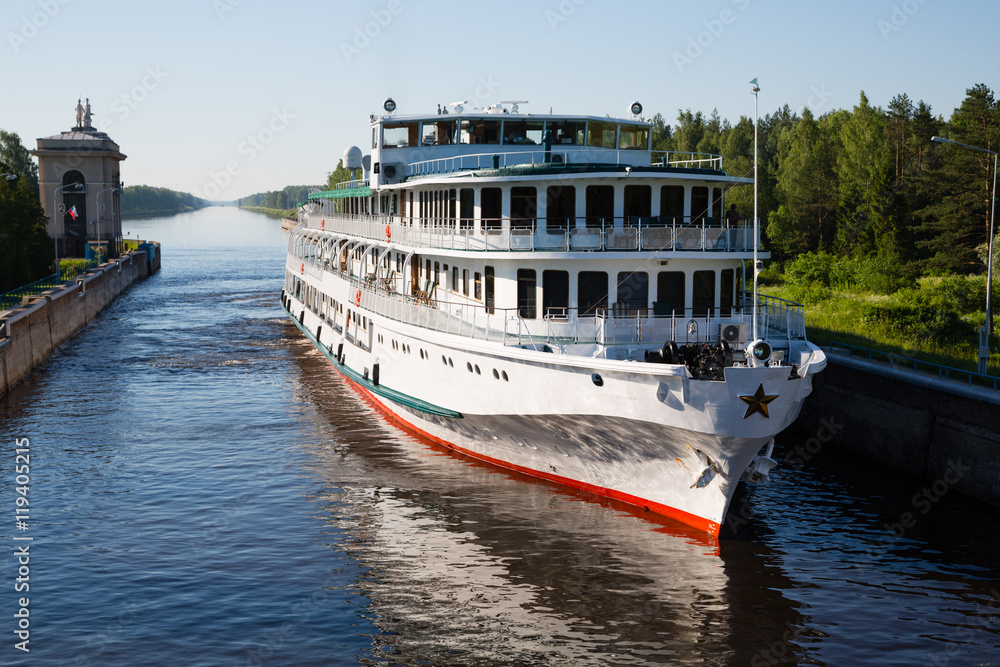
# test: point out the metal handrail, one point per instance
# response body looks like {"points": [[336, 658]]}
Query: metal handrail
{"points": [[14, 297], [944, 372]]}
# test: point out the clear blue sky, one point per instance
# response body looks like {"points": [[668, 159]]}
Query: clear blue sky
{"points": [[183, 85]]}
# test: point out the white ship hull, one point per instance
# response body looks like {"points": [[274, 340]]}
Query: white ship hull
{"points": [[643, 437]]}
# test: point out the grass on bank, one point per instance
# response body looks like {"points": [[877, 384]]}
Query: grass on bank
{"points": [[273, 212], [872, 303]]}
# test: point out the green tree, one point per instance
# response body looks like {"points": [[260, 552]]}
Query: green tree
{"points": [[957, 187], [26, 251], [18, 159], [662, 134], [338, 175], [689, 131], [863, 173]]}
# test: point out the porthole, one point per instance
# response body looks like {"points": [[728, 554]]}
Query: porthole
{"points": [[517, 442], [529, 444], [444, 360], [451, 364], [598, 380], [468, 364], [504, 374], [496, 374], [477, 370]]}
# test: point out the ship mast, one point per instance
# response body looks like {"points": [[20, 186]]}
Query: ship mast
{"points": [[756, 221]]}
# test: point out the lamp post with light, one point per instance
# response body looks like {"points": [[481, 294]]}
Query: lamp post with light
{"points": [[984, 333], [115, 190]]}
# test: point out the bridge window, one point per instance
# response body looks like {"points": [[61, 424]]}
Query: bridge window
{"points": [[523, 206], [601, 135], [567, 132], [479, 131], [527, 132], [490, 208], [400, 135], [439, 133], [592, 287], [634, 137], [600, 206], [555, 293], [526, 293], [669, 294]]}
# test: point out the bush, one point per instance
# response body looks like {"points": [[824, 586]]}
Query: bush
{"points": [[812, 267]]}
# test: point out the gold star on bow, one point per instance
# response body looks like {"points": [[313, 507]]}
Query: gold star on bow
{"points": [[758, 402]]}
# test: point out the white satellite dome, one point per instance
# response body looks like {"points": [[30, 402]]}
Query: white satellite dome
{"points": [[352, 158]]}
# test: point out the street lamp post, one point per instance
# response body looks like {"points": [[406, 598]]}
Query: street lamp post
{"points": [[55, 213], [984, 334]]}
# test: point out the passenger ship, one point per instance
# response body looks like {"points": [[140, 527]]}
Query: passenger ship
{"points": [[547, 294]]}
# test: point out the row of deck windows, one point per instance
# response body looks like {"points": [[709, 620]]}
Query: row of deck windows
{"points": [[445, 132], [560, 205]]}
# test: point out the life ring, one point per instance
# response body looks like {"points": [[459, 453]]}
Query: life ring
{"points": [[303, 269], [357, 299], [388, 233]]}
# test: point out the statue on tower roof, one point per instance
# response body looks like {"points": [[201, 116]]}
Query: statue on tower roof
{"points": [[86, 117], [79, 113]]}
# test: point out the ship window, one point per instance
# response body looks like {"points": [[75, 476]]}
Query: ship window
{"points": [[669, 294], [567, 132], [717, 204], [479, 131], [600, 206], [555, 293], [478, 284], [523, 206], [490, 299], [437, 273], [703, 293], [399, 135], [633, 289], [526, 293], [560, 208], [728, 289], [490, 208], [528, 132], [699, 203], [671, 203], [601, 135], [465, 282], [452, 204], [439, 133], [638, 202], [466, 207], [634, 137], [454, 279], [592, 287]]}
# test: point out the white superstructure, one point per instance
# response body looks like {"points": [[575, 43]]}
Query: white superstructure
{"points": [[545, 293]]}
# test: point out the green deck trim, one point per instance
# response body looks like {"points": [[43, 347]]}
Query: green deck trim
{"points": [[342, 194], [385, 392]]}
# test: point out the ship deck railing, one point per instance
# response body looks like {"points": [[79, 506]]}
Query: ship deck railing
{"points": [[632, 233], [560, 157], [619, 324]]}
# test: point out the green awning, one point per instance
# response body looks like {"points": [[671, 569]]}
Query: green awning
{"points": [[342, 194]]}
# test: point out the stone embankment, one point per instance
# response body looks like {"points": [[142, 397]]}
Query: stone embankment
{"points": [[31, 331]]}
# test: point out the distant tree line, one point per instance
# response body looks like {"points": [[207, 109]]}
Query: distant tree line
{"points": [[867, 182], [286, 198], [146, 200]]}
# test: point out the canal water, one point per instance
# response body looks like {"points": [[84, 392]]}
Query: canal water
{"points": [[205, 490]]}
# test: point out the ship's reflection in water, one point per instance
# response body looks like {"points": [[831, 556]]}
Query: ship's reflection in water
{"points": [[467, 564]]}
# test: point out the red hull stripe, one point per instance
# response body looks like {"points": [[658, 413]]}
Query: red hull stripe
{"points": [[711, 527]]}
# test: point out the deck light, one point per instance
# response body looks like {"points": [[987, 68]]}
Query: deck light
{"points": [[389, 105], [636, 109], [987, 329]]}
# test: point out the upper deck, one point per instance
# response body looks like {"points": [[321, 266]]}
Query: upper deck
{"points": [[499, 137]]}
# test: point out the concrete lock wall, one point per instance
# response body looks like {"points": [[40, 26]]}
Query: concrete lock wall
{"points": [[937, 429], [29, 333]]}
